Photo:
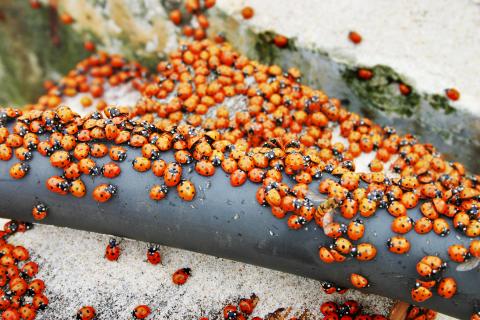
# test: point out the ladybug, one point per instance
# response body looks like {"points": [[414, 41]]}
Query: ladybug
{"points": [[58, 185], [173, 174], [183, 157], [402, 224], [328, 308], [474, 248], [180, 276], [352, 306], [23, 154], [11, 314], [247, 305], [355, 229], [158, 167], [398, 245], [30, 269], [447, 288], [359, 281], [365, 252], [5, 152], [430, 265], [158, 192], [141, 164], [36, 286], [229, 165], [112, 252], [88, 166], [186, 190], [296, 222], [441, 227], [325, 255], [343, 245], [60, 159], [458, 253], [230, 312], [39, 211], [421, 294], [423, 225], [153, 256], [104, 192], [20, 253], [81, 151], [117, 153], [72, 171], [86, 313], [111, 170], [397, 209], [150, 151], [19, 170], [349, 208], [77, 188], [205, 168], [238, 178], [367, 207], [141, 312], [40, 301]]}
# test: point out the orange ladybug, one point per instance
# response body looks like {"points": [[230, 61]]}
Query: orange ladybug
{"points": [[238, 178], [141, 312], [19, 170], [104, 192], [77, 188], [248, 305], [355, 229], [173, 174], [180, 276], [86, 313], [447, 288], [153, 256], [365, 252], [296, 222], [359, 281], [141, 164], [112, 252], [421, 294], [402, 224], [39, 211], [458, 253], [186, 190], [158, 192], [111, 170], [398, 245]]}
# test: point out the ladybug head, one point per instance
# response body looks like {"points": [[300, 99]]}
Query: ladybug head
{"points": [[187, 270], [112, 189], [112, 242]]}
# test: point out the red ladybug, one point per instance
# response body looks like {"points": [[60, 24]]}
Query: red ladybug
{"points": [[27, 312], [247, 305], [238, 178], [158, 192], [398, 245], [111, 170], [181, 276], [141, 312], [104, 192], [173, 174], [328, 308], [153, 256], [86, 313], [40, 301], [19, 170], [112, 252], [58, 185], [447, 288], [39, 211], [186, 190], [11, 314], [359, 281]]}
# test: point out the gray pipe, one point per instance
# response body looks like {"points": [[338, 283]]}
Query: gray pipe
{"points": [[228, 222]]}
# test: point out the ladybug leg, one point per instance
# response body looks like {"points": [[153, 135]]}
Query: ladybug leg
{"points": [[399, 311]]}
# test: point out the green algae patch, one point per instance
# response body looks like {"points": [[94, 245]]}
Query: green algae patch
{"points": [[381, 91], [34, 46]]}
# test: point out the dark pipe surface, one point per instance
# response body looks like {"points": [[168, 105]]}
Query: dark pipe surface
{"points": [[228, 222]]}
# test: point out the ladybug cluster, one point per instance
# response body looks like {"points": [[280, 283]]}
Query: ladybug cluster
{"points": [[21, 294], [349, 310], [285, 131], [430, 269], [282, 140], [418, 313]]}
